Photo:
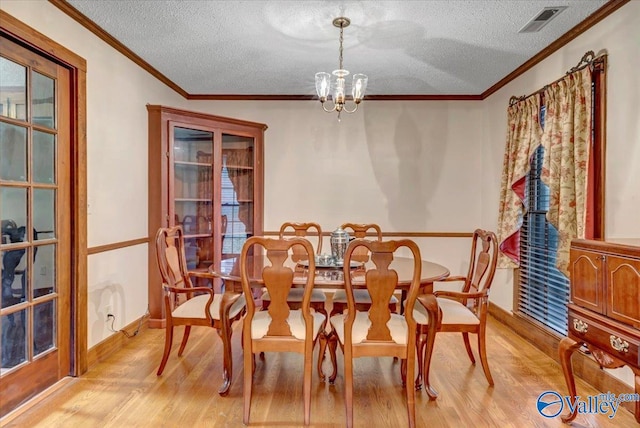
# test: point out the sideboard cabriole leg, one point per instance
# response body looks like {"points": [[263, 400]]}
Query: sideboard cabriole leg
{"points": [[566, 348]]}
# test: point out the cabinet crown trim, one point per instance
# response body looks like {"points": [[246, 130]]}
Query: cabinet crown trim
{"points": [[205, 116]]}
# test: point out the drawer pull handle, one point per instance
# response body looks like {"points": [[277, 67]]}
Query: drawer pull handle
{"points": [[581, 326], [619, 344]]}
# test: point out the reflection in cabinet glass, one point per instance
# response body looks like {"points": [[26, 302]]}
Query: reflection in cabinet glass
{"points": [[237, 192], [205, 174]]}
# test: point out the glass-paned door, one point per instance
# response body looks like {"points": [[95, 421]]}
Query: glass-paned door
{"points": [[34, 216], [237, 195]]}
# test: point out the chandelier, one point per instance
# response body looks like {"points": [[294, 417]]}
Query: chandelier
{"points": [[325, 83]]}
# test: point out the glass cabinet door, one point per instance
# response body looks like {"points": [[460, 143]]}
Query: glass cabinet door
{"points": [[237, 196], [193, 183]]}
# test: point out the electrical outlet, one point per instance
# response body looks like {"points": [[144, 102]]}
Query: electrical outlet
{"points": [[43, 270], [108, 312]]}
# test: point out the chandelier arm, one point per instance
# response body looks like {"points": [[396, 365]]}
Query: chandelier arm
{"points": [[329, 110], [350, 111]]}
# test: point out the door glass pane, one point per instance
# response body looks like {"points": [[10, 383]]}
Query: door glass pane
{"points": [[237, 192], [44, 269], [13, 147], [44, 327], [13, 89], [14, 276], [14, 339], [13, 212], [43, 101], [43, 213], [44, 151]]}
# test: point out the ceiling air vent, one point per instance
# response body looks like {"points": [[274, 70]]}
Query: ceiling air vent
{"points": [[541, 19]]}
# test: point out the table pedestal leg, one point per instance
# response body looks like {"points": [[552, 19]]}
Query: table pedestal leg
{"points": [[333, 345], [323, 347]]}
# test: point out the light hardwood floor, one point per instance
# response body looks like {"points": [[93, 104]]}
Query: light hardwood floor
{"points": [[124, 390]]}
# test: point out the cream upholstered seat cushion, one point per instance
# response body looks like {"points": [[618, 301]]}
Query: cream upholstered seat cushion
{"points": [[262, 320], [453, 312], [194, 307], [359, 295], [296, 294], [397, 326]]}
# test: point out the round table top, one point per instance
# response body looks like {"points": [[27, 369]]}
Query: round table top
{"points": [[332, 277]]}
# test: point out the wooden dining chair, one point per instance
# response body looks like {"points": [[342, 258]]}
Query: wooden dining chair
{"points": [[280, 328], [378, 331], [193, 306], [463, 312], [302, 229], [361, 254], [318, 298], [361, 296]]}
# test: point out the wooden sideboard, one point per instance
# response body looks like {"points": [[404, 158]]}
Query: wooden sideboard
{"points": [[604, 308]]}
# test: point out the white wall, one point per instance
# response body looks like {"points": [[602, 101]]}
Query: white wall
{"points": [[408, 166], [619, 35]]}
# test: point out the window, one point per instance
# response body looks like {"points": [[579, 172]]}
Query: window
{"points": [[543, 291]]}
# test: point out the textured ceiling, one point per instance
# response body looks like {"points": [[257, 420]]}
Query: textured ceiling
{"points": [[276, 47]]}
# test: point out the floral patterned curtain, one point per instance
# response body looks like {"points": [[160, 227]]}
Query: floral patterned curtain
{"points": [[524, 135], [566, 141]]}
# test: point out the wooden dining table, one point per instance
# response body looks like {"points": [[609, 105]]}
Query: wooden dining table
{"points": [[328, 277], [332, 277]]}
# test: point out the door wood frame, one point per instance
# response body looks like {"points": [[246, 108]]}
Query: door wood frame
{"points": [[78, 146]]}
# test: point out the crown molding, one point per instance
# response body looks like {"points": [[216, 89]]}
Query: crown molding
{"points": [[426, 97]]}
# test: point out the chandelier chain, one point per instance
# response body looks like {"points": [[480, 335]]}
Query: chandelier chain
{"points": [[341, 39]]}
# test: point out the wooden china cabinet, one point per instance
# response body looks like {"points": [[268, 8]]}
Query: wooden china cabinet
{"points": [[206, 174], [604, 311]]}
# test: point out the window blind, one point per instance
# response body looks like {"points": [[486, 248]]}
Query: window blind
{"points": [[544, 290]]}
